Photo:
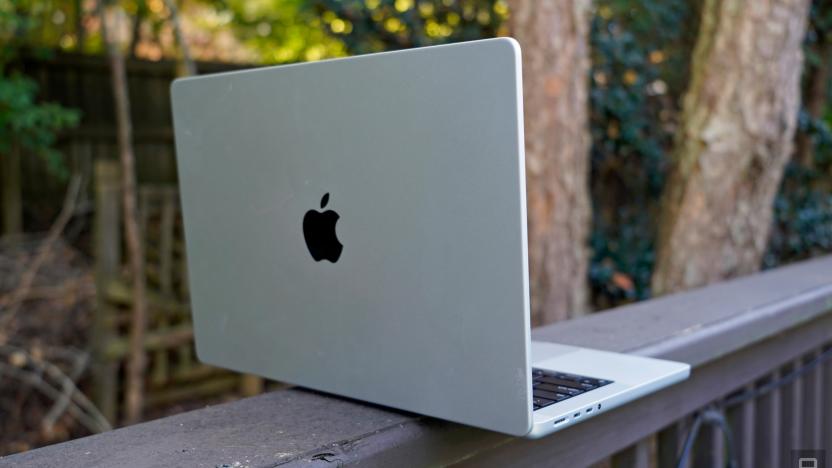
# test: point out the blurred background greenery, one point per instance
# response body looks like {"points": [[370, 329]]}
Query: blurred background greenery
{"points": [[53, 96], [640, 65]]}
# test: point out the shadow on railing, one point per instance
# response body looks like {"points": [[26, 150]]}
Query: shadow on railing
{"points": [[761, 388]]}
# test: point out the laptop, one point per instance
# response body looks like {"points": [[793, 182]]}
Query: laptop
{"points": [[358, 226]]}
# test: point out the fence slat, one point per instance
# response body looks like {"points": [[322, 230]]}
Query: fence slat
{"points": [[717, 448], [708, 447], [813, 407], [791, 415], [184, 286], [745, 435], [635, 456], [767, 438], [166, 228], [107, 263], [827, 404], [670, 440], [10, 196]]}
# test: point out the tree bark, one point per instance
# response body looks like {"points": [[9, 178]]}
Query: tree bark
{"points": [[736, 135], [80, 31], [553, 35], [188, 64], [136, 33], [138, 323]]}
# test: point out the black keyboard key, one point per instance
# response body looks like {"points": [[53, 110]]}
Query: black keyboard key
{"points": [[551, 395], [542, 402], [552, 387], [548, 395], [559, 389], [547, 387], [565, 383]]}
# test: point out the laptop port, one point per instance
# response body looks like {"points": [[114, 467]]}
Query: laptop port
{"points": [[589, 410], [576, 415], [599, 406], [560, 421]]}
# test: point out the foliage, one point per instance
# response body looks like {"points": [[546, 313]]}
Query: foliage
{"points": [[279, 31], [640, 50], [376, 25], [640, 60], [23, 121], [640, 53], [31, 125], [819, 31], [802, 217], [802, 225]]}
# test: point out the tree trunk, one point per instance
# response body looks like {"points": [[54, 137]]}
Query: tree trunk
{"points": [[80, 31], [138, 322], [554, 37], [136, 33], [188, 65], [738, 122]]}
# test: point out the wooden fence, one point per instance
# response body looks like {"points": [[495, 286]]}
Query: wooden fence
{"points": [[83, 82], [760, 348], [174, 375]]}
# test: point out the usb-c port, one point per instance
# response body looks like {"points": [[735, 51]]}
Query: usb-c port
{"points": [[589, 410], [560, 421], [576, 415]]}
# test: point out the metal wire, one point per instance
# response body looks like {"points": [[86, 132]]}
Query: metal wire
{"points": [[715, 417]]}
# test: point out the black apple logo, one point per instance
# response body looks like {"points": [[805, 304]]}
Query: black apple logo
{"points": [[319, 232]]}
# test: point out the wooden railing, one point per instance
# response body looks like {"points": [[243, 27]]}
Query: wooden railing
{"points": [[759, 347]]}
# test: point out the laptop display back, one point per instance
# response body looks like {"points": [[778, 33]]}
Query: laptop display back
{"points": [[357, 226]]}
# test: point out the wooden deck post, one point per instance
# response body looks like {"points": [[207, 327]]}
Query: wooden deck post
{"points": [[107, 261]]}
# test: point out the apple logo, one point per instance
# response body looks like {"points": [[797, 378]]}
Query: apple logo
{"points": [[319, 233]]}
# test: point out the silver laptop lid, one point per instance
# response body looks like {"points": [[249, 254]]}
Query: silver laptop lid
{"points": [[414, 159]]}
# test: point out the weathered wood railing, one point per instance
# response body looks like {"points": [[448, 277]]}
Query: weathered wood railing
{"points": [[739, 336]]}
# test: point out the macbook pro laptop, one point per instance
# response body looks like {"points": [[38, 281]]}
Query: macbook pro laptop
{"points": [[358, 226]]}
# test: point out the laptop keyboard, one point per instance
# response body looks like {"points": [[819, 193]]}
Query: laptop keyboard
{"points": [[552, 387]]}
